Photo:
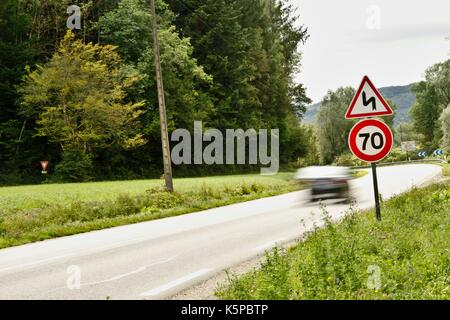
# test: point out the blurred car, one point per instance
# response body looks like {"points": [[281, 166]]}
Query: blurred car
{"points": [[327, 182]]}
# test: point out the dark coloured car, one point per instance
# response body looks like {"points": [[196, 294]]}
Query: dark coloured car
{"points": [[326, 182]]}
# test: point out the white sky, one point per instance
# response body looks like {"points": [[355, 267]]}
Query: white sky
{"points": [[342, 48]]}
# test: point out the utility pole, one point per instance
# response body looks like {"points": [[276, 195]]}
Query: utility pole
{"points": [[162, 103]]}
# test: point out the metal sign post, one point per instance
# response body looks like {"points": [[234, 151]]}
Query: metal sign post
{"points": [[370, 140], [375, 190]]}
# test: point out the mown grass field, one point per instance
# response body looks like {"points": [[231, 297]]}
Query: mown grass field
{"points": [[33, 213], [406, 256], [36, 196]]}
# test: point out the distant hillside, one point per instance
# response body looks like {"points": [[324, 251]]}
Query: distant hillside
{"points": [[402, 96]]}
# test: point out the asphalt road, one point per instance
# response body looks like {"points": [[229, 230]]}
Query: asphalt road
{"points": [[156, 259]]}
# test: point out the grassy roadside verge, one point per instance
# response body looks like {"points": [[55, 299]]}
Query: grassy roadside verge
{"points": [[404, 257], [446, 169], [356, 174], [34, 213]]}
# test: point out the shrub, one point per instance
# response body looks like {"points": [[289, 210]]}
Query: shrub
{"points": [[161, 199], [397, 155], [348, 160], [75, 166]]}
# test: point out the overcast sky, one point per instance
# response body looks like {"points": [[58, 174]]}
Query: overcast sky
{"points": [[392, 41]]}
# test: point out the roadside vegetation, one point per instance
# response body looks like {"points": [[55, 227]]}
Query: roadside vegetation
{"points": [[33, 213], [446, 169], [38, 212], [356, 174], [406, 256]]}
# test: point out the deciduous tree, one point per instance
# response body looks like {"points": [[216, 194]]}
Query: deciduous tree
{"points": [[79, 98]]}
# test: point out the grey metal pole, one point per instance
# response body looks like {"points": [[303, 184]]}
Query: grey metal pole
{"points": [[375, 189], [162, 103]]}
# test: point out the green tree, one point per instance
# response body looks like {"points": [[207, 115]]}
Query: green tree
{"points": [[186, 84], [251, 48], [425, 114], [129, 27], [16, 51], [405, 131], [79, 98], [445, 120], [333, 128], [433, 95], [75, 166], [31, 32], [308, 141], [389, 120]]}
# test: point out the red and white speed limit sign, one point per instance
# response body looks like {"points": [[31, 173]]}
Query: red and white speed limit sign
{"points": [[370, 140]]}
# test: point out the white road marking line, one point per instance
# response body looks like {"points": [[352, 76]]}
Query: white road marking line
{"points": [[175, 283], [115, 278], [141, 269], [73, 254], [268, 245]]}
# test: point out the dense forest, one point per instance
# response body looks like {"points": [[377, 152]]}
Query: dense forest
{"points": [[87, 101]]}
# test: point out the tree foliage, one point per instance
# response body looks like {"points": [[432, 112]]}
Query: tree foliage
{"points": [[445, 120], [229, 63], [433, 95], [78, 98], [405, 131], [250, 48], [333, 130], [129, 28]]}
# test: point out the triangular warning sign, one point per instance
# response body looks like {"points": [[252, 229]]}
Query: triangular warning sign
{"points": [[368, 102]]}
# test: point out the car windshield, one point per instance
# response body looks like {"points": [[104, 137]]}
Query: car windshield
{"points": [[328, 172]]}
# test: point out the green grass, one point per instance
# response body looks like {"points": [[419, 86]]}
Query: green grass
{"points": [[359, 173], [409, 250], [36, 196], [446, 169], [33, 213]]}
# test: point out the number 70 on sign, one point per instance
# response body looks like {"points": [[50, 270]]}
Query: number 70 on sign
{"points": [[370, 140]]}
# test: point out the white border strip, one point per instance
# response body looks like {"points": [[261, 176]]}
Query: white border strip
{"points": [[174, 283]]}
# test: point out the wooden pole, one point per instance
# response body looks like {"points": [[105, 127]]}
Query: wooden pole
{"points": [[162, 103]]}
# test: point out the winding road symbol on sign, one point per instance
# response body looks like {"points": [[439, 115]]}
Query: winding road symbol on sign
{"points": [[368, 102], [370, 140], [372, 101]]}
